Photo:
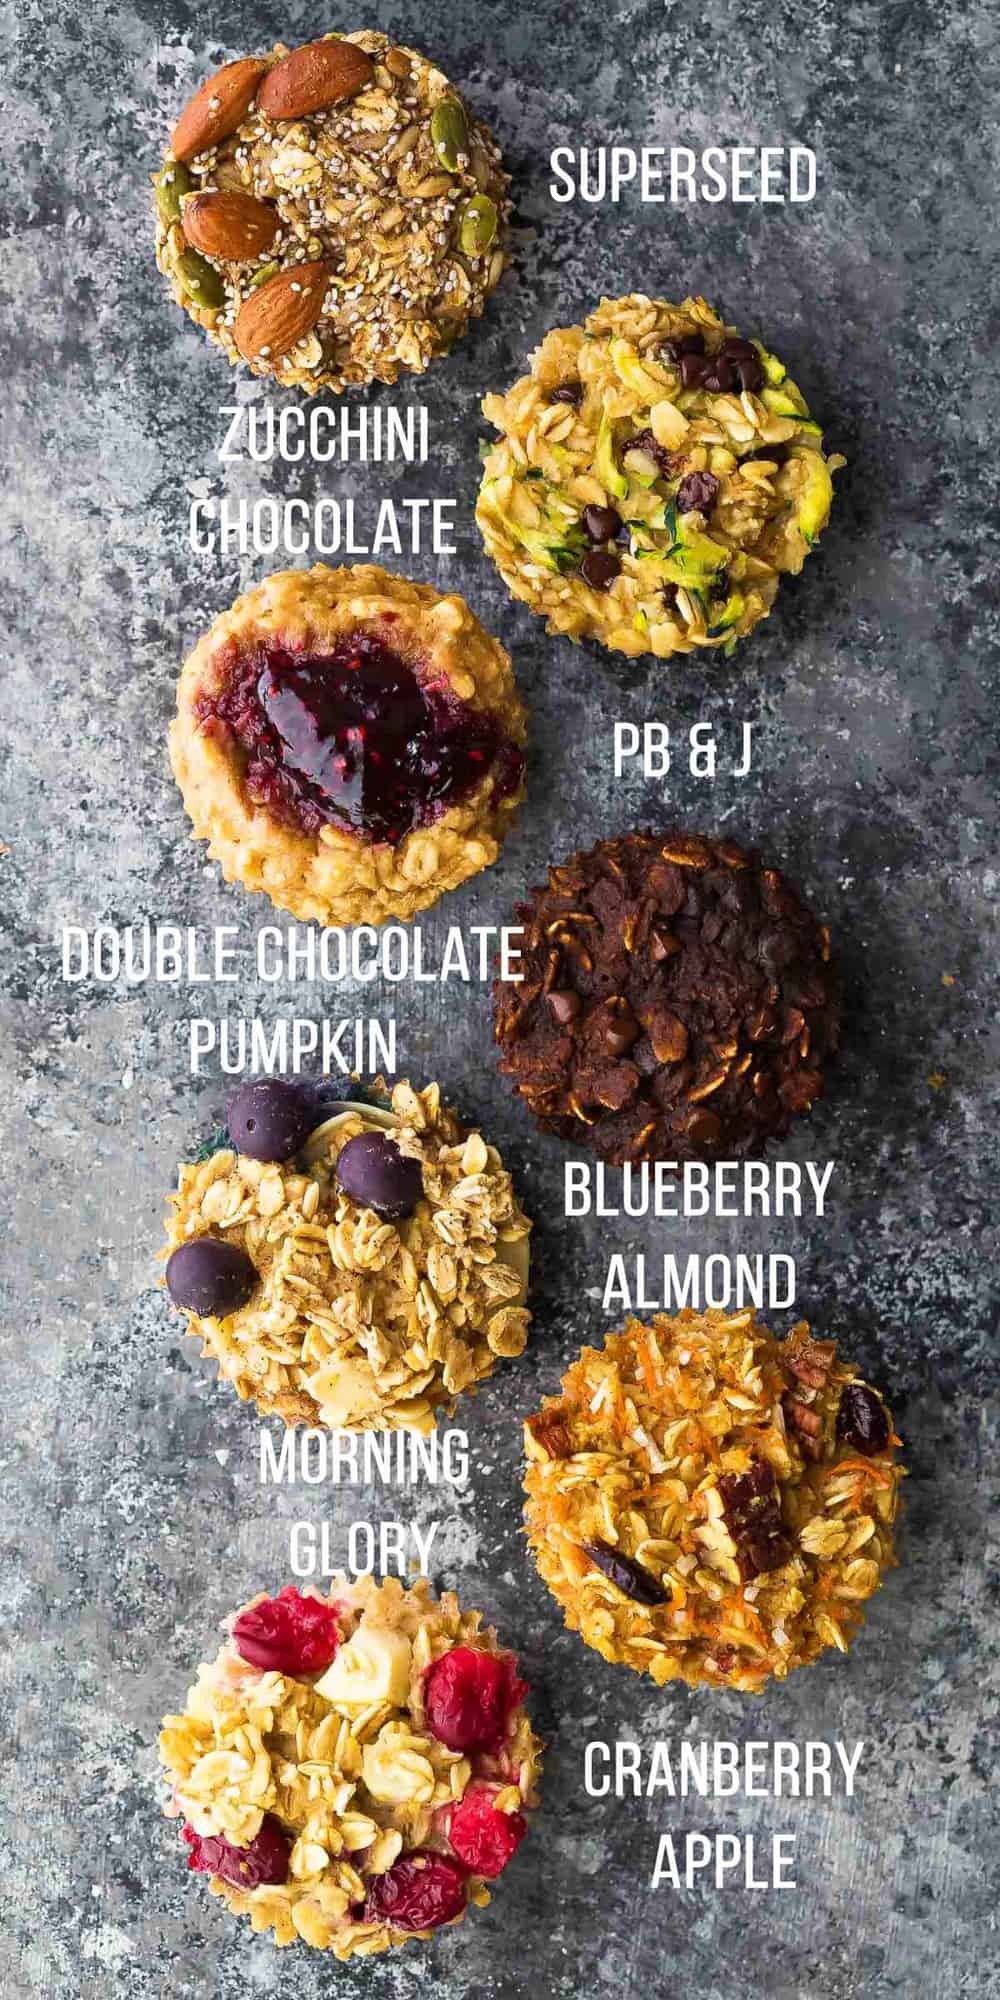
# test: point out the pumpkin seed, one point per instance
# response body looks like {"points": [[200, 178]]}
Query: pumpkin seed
{"points": [[171, 183], [260, 277], [200, 280], [479, 226], [449, 133]]}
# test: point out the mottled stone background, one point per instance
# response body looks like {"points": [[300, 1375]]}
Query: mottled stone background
{"points": [[133, 1515]]}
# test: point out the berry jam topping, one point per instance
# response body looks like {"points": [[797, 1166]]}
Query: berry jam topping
{"points": [[353, 739], [483, 1838], [210, 1276], [375, 1174], [421, 1891], [265, 1860], [287, 1634], [469, 1695], [270, 1119]]}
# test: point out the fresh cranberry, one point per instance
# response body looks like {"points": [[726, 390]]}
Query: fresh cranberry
{"points": [[287, 1634], [421, 1891], [468, 1696], [264, 1860], [354, 738], [483, 1838]]}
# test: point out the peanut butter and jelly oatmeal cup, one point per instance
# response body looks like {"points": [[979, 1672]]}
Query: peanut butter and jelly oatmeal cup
{"points": [[349, 743], [352, 1770], [353, 1265], [710, 1504], [656, 476], [331, 214]]}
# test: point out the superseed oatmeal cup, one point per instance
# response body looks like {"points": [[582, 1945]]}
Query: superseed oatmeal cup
{"points": [[331, 214], [710, 1504], [349, 743], [353, 1265], [351, 1771], [656, 475]]}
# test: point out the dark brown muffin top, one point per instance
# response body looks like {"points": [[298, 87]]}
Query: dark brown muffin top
{"points": [[677, 1001]]}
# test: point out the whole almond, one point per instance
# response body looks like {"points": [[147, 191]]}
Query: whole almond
{"points": [[232, 226], [312, 77], [217, 108], [281, 312]]}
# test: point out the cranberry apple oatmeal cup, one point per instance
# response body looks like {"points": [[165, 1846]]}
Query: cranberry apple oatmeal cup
{"points": [[352, 1770], [331, 214], [353, 1265], [349, 743], [710, 1504]]}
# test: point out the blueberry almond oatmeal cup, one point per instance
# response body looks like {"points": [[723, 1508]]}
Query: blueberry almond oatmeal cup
{"points": [[655, 477], [349, 743], [331, 214], [353, 1265], [710, 1504], [352, 1770]]}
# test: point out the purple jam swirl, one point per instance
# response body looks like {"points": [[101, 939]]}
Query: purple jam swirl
{"points": [[354, 739]]}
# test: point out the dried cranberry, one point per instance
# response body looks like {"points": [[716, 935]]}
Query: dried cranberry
{"points": [[483, 1838], [288, 1634], [421, 1891], [626, 1574], [699, 490], [468, 1696], [602, 524], [862, 1421], [599, 568], [568, 392], [752, 1507], [265, 1859], [353, 738]]}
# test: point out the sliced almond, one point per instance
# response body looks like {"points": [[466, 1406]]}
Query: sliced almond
{"points": [[217, 108], [232, 226], [281, 312], [315, 76]]}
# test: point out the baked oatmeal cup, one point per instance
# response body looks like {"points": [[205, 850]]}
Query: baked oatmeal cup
{"points": [[349, 743], [352, 1770], [710, 1504], [331, 214], [350, 1265], [655, 477]]}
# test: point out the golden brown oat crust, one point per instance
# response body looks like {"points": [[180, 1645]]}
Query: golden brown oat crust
{"points": [[633, 1456], [356, 1323], [335, 877]]}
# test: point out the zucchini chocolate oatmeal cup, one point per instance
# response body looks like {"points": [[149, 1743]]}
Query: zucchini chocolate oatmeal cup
{"points": [[710, 1504], [656, 475], [352, 1770], [354, 1265], [331, 214]]}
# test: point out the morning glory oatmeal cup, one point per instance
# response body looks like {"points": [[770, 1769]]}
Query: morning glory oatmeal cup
{"points": [[655, 477]]}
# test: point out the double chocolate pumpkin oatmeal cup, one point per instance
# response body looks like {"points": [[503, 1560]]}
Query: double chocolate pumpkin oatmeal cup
{"points": [[710, 1504], [331, 214], [354, 1265], [352, 1770], [349, 743]]}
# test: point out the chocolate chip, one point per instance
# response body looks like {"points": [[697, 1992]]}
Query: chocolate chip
{"points": [[692, 370], [862, 1421], [564, 1006], [622, 1030], [665, 461], [567, 392], [602, 524], [599, 568], [684, 343], [700, 490], [626, 1574], [720, 376]]}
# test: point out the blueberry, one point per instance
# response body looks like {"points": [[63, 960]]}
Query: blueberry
{"points": [[375, 1174], [269, 1119], [210, 1277]]}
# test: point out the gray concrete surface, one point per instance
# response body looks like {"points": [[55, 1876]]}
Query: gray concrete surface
{"points": [[133, 1519]]}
